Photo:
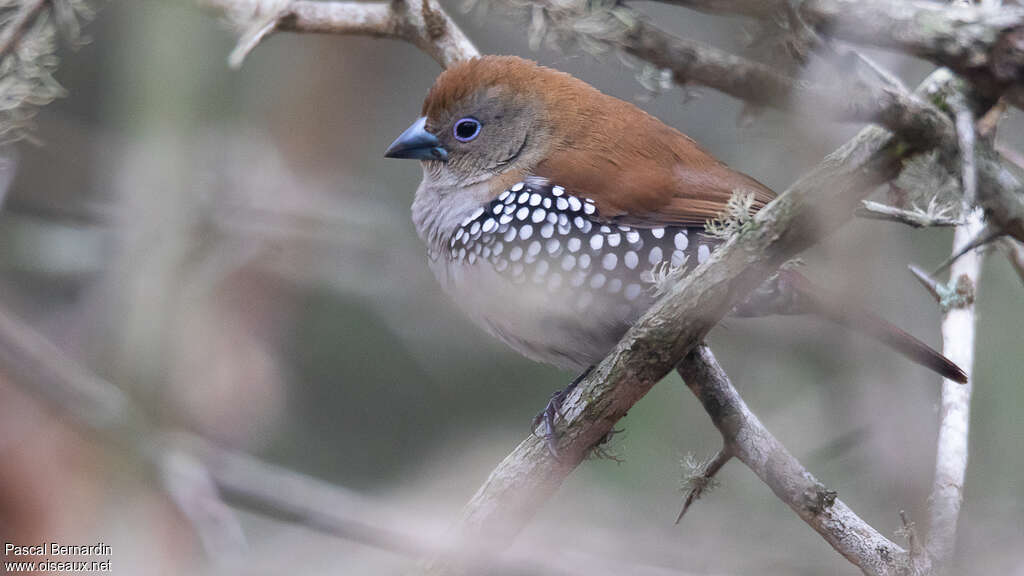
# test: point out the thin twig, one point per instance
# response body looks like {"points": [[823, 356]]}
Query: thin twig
{"points": [[930, 284], [701, 482], [916, 217]]}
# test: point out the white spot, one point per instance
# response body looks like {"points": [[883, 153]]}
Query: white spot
{"points": [[472, 258], [538, 215], [547, 203], [533, 249], [574, 204], [489, 225], [522, 213], [498, 248], [586, 226], [547, 230], [579, 221], [678, 258], [523, 198], [655, 256], [609, 261], [584, 261], [504, 195], [535, 199], [597, 280], [681, 240], [462, 254], [501, 265], [614, 239], [703, 252], [589, 208], [459, 234], [510, 234], [557, 191], [623, 228], [475, 228], [465, 239], [561, 203], [596, 241], [657, 232], [505, 219], [564, 229], [555, 281], [615, 285], [517, 187], [510, 208], [569, 262], [477, 213], [553, 246], [632, 291], [632, 237], [574, 244], [515, 254], [510, 199], [631, 259], [497, 208], [487, 252], [590, 200], [605, 230], [526, 231], [552, 217]]}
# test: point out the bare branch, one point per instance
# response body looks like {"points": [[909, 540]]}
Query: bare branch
{"points": [[958, 327], [983, 43], [754, 445], [854, 99], [422, 23]]}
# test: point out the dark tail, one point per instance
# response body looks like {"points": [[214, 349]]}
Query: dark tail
{"points": [[790, 292]]}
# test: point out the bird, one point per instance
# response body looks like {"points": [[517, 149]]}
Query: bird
{"points": [[550, 211]]}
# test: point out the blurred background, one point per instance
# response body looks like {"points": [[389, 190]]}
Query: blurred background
{"points": [[231, 249]]}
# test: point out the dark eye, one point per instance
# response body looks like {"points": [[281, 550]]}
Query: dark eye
{"points": [[466, 129]]}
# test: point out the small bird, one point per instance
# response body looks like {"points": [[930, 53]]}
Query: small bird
{"points": [[550, 210]]}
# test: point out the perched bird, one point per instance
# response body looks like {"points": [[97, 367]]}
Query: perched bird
{"points": [[550, 210]]}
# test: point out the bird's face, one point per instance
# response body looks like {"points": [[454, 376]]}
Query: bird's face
{"points": [[474, 138], [481, 119]]}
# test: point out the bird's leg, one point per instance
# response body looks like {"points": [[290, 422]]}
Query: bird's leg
{"points": [[553, 408]]}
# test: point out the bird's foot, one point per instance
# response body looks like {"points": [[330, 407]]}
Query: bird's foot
{"points": [[552, 410]]}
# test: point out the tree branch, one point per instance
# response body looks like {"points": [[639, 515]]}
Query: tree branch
{"points": [[748, 439], [422, 23], [853, 99]]}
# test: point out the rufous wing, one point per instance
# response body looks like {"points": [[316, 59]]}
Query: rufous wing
{"points": [[643, 172]]}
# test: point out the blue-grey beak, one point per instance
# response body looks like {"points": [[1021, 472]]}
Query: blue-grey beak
{"points": [[417, 143]]}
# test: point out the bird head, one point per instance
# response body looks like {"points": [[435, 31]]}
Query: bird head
{"points": [[488, 116]]}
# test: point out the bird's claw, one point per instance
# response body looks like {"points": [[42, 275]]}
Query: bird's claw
{"points": [[552, 410]]}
